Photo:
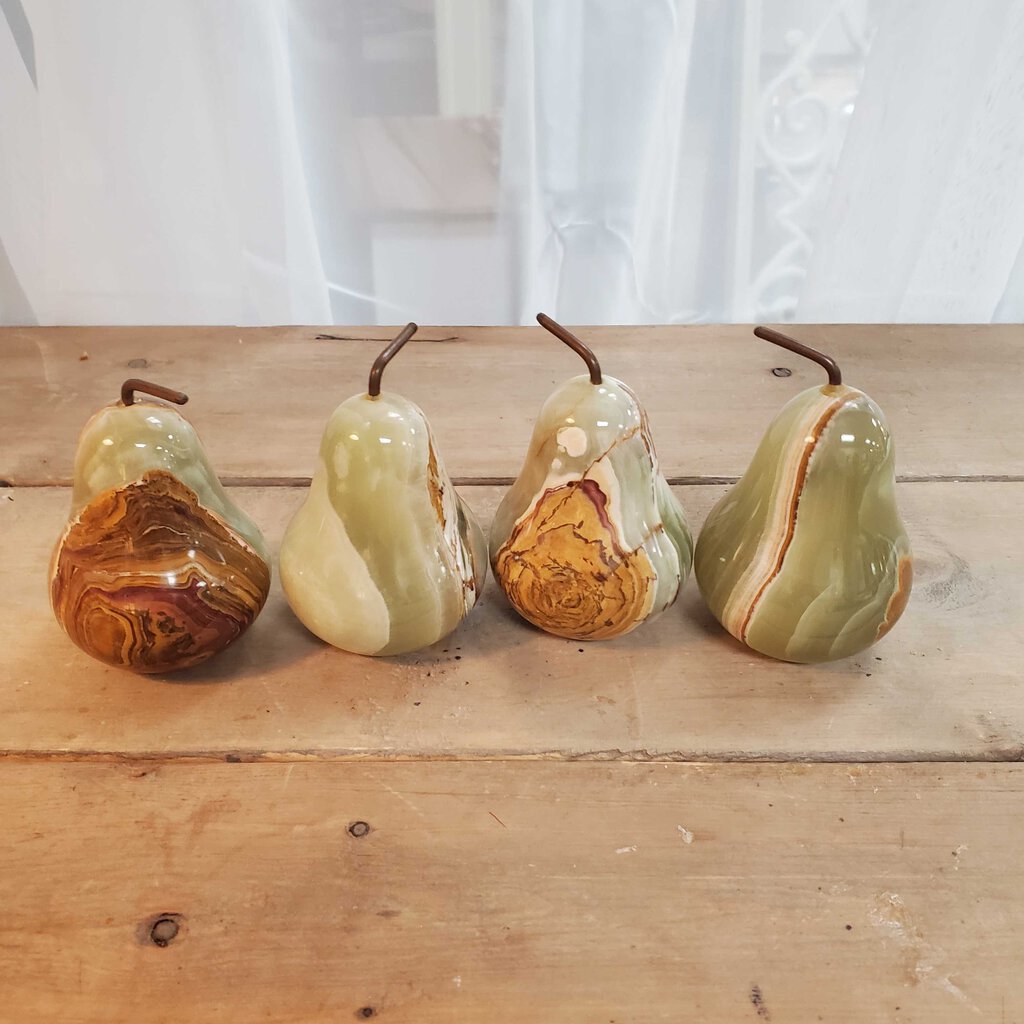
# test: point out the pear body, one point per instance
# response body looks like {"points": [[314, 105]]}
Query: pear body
{"points": [[589, 542], [383, 557], [157, 569], [806, 558]]}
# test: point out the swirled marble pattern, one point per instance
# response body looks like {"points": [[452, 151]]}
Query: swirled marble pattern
{"points": [[806, 558], [157, 569], [121, 443], [145, 578], [590, 542], [383, 557]]}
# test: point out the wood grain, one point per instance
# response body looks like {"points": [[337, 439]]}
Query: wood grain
{"points": [[512, 892], [261, 396], [945, 684]]}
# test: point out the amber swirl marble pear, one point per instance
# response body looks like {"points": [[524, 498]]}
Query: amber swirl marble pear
{"points": [[157, 569], [383, 557], [806, 558], [590, 542]]}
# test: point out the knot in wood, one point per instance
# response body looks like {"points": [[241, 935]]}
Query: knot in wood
{"points": [[164, 930]]}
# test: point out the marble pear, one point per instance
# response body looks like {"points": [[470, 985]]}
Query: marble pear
{"points": [[806, 558], [383, 557], [590, 542], [157, 569]]}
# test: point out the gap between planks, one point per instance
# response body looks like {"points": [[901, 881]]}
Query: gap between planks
{"points": [[507, 481], [1010, 755]]}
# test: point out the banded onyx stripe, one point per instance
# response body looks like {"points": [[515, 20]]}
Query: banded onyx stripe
{"points": [[785, 502]]}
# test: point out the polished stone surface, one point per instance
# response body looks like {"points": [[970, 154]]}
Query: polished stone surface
{"points": [[590, 542], [806, 558], [157, 569], [383, 557]]}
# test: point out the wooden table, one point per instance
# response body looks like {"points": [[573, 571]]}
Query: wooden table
{"points": [[665, 827]]}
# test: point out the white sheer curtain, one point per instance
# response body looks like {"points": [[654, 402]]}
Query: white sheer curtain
{"points": [[925, 215], [472, 161]]}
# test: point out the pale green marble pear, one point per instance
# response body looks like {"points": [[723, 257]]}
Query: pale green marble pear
{"points": [[806, 558], [590, 542], [383, 557]]}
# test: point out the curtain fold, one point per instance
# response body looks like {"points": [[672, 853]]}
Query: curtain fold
{"points": [[593, 163]]}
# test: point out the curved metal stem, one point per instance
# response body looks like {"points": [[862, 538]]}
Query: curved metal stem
{"points": [[835, 375], [133, 384], [389, 353], [574, 343]]}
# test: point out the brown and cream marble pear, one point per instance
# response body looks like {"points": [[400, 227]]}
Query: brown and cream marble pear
{"points": [[157, 568], [590, 542], [806, 558]]}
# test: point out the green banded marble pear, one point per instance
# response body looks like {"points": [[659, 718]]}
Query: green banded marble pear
{"points": [[806, 558], [590, 542], [383, 557]]}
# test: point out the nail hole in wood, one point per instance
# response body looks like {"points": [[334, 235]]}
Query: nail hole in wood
{"points": [[164, 930], [366, 1011], [357, 830]]}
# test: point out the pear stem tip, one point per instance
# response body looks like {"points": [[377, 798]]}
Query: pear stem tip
{"points": [[389, 353], [831, 367], [133, 384], [574, 343]]}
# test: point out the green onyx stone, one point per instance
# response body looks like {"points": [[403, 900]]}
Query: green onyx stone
{"points": [[383, 557], [806, 558]]}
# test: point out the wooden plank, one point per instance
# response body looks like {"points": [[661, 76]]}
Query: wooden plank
{"points": [[945, 684], [512, 892], [260, 397]]}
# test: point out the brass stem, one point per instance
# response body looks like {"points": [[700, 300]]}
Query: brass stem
{"points": [[574, 343], [389, 353], [129, 387], [835, 376]]}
